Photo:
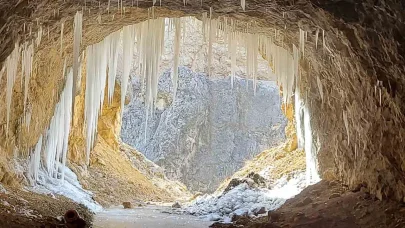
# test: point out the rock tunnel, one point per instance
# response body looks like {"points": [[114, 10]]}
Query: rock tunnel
{"points": [[348, 86]]}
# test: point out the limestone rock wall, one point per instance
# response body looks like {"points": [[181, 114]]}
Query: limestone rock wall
{"points": [[209, 130]]}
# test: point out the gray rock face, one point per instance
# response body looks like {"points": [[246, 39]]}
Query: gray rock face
{"points": [[208, 131]]}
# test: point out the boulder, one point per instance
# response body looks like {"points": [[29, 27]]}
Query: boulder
{"points": [[127, 205], [253, 180], [273, 216], [259, 210], [176, 205]]}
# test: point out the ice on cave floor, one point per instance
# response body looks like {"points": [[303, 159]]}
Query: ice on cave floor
{"points": [[69, 188], [242, 199]]}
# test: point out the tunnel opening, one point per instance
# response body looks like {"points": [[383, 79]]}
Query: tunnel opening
{"points": [[344, 115]]}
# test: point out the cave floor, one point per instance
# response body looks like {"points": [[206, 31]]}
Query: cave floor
{"points": [[146, 217]]}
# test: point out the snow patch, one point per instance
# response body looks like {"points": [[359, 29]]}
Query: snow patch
{"points": [[70, 188], [243, 200]]}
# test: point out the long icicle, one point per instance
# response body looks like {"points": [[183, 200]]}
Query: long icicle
{"points": [[113, 63], [210, 41], [77, 38], [128, 47], [12, 66], [27, 59], [62, 26], [177, 38]]}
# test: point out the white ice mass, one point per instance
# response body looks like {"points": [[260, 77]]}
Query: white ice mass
{"points": [[244, 200]]}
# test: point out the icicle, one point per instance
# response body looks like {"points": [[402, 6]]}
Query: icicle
{"points": [[27, 59], [323, 40], [210, 40], [150, 48], [35, 162], [61, 37], [252, 49], [302, 42], [96, 80], [3, 69], [99, 19], [204, 25], [77, 38], [12, 65], [233, 46], [346, 122], [27, 117], [316, 38], [243, 4], [127, 60], [56, 145], [39, 36], [183, 28], [113, 63], [176, 56], [311, 171], [319, 83]]}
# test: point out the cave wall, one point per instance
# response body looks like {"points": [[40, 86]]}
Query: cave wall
{"points": [[365, 43], [209, 130]]}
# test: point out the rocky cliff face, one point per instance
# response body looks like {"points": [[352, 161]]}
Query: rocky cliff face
{"points": [[209, 130]]}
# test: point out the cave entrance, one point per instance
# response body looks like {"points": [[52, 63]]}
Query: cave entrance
{"points": [[214, 123], [215, 118]]}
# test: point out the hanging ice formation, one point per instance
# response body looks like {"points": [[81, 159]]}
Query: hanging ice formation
{"points": [[346, 122], [113, 63], [3, 69], [211, 37], [252, 52], [26, 69], [39, 36], [96, 78], [232, 46], [176, 56], [319, 83], [62, 25], [77, 39], [128, 36], [323, 39], [55, 145], [310, 154], [35, 162], [302, 42], [316, 38], [243, 4], [12, 66]]}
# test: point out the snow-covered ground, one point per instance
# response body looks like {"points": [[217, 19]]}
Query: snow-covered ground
{"points": [[244, 200], [69, 188]]}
